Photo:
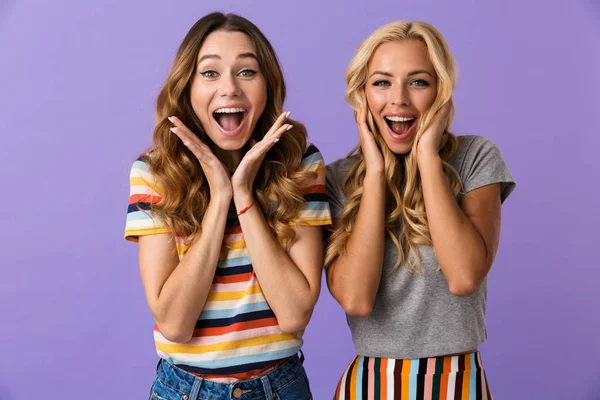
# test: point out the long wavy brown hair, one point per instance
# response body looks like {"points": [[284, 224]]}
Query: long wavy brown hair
{"points": [[406, 219], [179, 176]]}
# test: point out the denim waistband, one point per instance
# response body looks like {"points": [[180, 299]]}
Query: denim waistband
{"points": [[191, 386]]}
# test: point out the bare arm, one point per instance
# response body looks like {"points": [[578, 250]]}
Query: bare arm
{"points": [[466, 236], [176, 291], [290, 282], [353, 277]]}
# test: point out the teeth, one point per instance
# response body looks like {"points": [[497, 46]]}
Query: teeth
{"points": [[399, 119], [229, 110]]}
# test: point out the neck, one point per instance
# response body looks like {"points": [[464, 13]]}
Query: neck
{"points": [[230, 159]]}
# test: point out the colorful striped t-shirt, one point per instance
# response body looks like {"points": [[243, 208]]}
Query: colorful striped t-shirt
{"points": [[236, 335]]}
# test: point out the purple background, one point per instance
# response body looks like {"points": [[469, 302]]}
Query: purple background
{"points": [[78, 84]]}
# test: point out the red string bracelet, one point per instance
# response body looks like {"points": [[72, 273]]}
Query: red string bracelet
{"points": [[245, 209]]}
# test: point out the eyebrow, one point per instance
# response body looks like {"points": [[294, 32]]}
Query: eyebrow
{"points": [[381, 73], [217, 57], [420, 71]]}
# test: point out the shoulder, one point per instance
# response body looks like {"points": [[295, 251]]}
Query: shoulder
{"points": [[311, 155], [342, 166], [141, 165], [467, 143], [479, 162], [141, 178], [336, 174], [312, 160], [471, 147]]}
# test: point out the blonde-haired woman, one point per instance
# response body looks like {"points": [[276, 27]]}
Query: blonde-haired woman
{"points": [[416, 215], [227, 208]]}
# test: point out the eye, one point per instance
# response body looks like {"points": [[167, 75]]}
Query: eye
{"points": [[381, 83], [247, 73], [209, 74], [420, 82]]}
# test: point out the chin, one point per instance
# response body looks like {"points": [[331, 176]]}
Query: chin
{"points": [[231, 145], [399, 148], [401, 151]]}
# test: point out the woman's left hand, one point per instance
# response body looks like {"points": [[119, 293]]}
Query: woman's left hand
{"points": [[244, 175], [429, 143]]}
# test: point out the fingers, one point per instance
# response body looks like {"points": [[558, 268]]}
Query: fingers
{"points": [[367, 139], [191, 141], [278, 133], [271, 137], [205, 155], [182, 131], [261, 148], [441, 117], [361, 120], [445, 109], [254, 157], [277, 125]]}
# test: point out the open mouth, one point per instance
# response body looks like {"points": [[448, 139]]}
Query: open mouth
{"points": [[230, 120], [400, 126]]}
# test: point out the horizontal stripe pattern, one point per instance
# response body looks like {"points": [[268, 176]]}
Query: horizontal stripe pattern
{"points": [[437, 378], [236, 335]]}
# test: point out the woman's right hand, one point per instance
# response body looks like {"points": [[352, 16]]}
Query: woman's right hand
{"points": [[371, 153], [216, 175]]}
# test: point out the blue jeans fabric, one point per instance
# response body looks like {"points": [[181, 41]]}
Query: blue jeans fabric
{"points": [[286, 382]]}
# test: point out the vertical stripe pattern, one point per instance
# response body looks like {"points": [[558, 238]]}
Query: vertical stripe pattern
{"points": [[437, 378]]}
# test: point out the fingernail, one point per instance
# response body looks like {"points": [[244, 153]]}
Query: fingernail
{"points": [[276, 140], [170, 119], [287, 114], [172, 129], [289, 127]]}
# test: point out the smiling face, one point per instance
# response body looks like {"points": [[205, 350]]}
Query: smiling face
{"points": [[401, 86], [228, 91]]}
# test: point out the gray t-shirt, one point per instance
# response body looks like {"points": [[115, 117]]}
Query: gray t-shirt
{"points": [[416, 316]]}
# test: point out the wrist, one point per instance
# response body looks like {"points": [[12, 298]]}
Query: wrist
{"points": [[221, 198], [374, 179], [242, 199], [375, 171], [428, 160], [241, 189], [427, 155]]}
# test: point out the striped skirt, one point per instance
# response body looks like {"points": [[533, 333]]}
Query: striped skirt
{"points": [[441, 378]]}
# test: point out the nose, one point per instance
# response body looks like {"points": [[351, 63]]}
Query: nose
{"points": [[401, 96], [229, 86]]}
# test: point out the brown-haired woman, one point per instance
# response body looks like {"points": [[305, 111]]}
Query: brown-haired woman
{"points": [[227, 207]]}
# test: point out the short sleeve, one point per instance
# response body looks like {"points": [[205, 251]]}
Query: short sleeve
{"points": [[143, 193], [315, 211], [483, 165]]}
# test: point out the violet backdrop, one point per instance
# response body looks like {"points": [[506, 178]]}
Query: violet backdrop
{"points": [[79, 80]]}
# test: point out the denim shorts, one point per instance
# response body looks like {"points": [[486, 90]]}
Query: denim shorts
{"points": [[286, 382]]}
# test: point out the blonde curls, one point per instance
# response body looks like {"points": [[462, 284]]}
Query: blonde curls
{"points": [[406, 219], [184, 190]]}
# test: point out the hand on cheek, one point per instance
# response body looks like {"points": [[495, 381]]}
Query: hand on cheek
{"points": [[429, 143]]}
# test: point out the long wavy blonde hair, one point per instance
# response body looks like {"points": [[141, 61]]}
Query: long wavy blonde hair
{"points": [[406, 220], [179, 176]]}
